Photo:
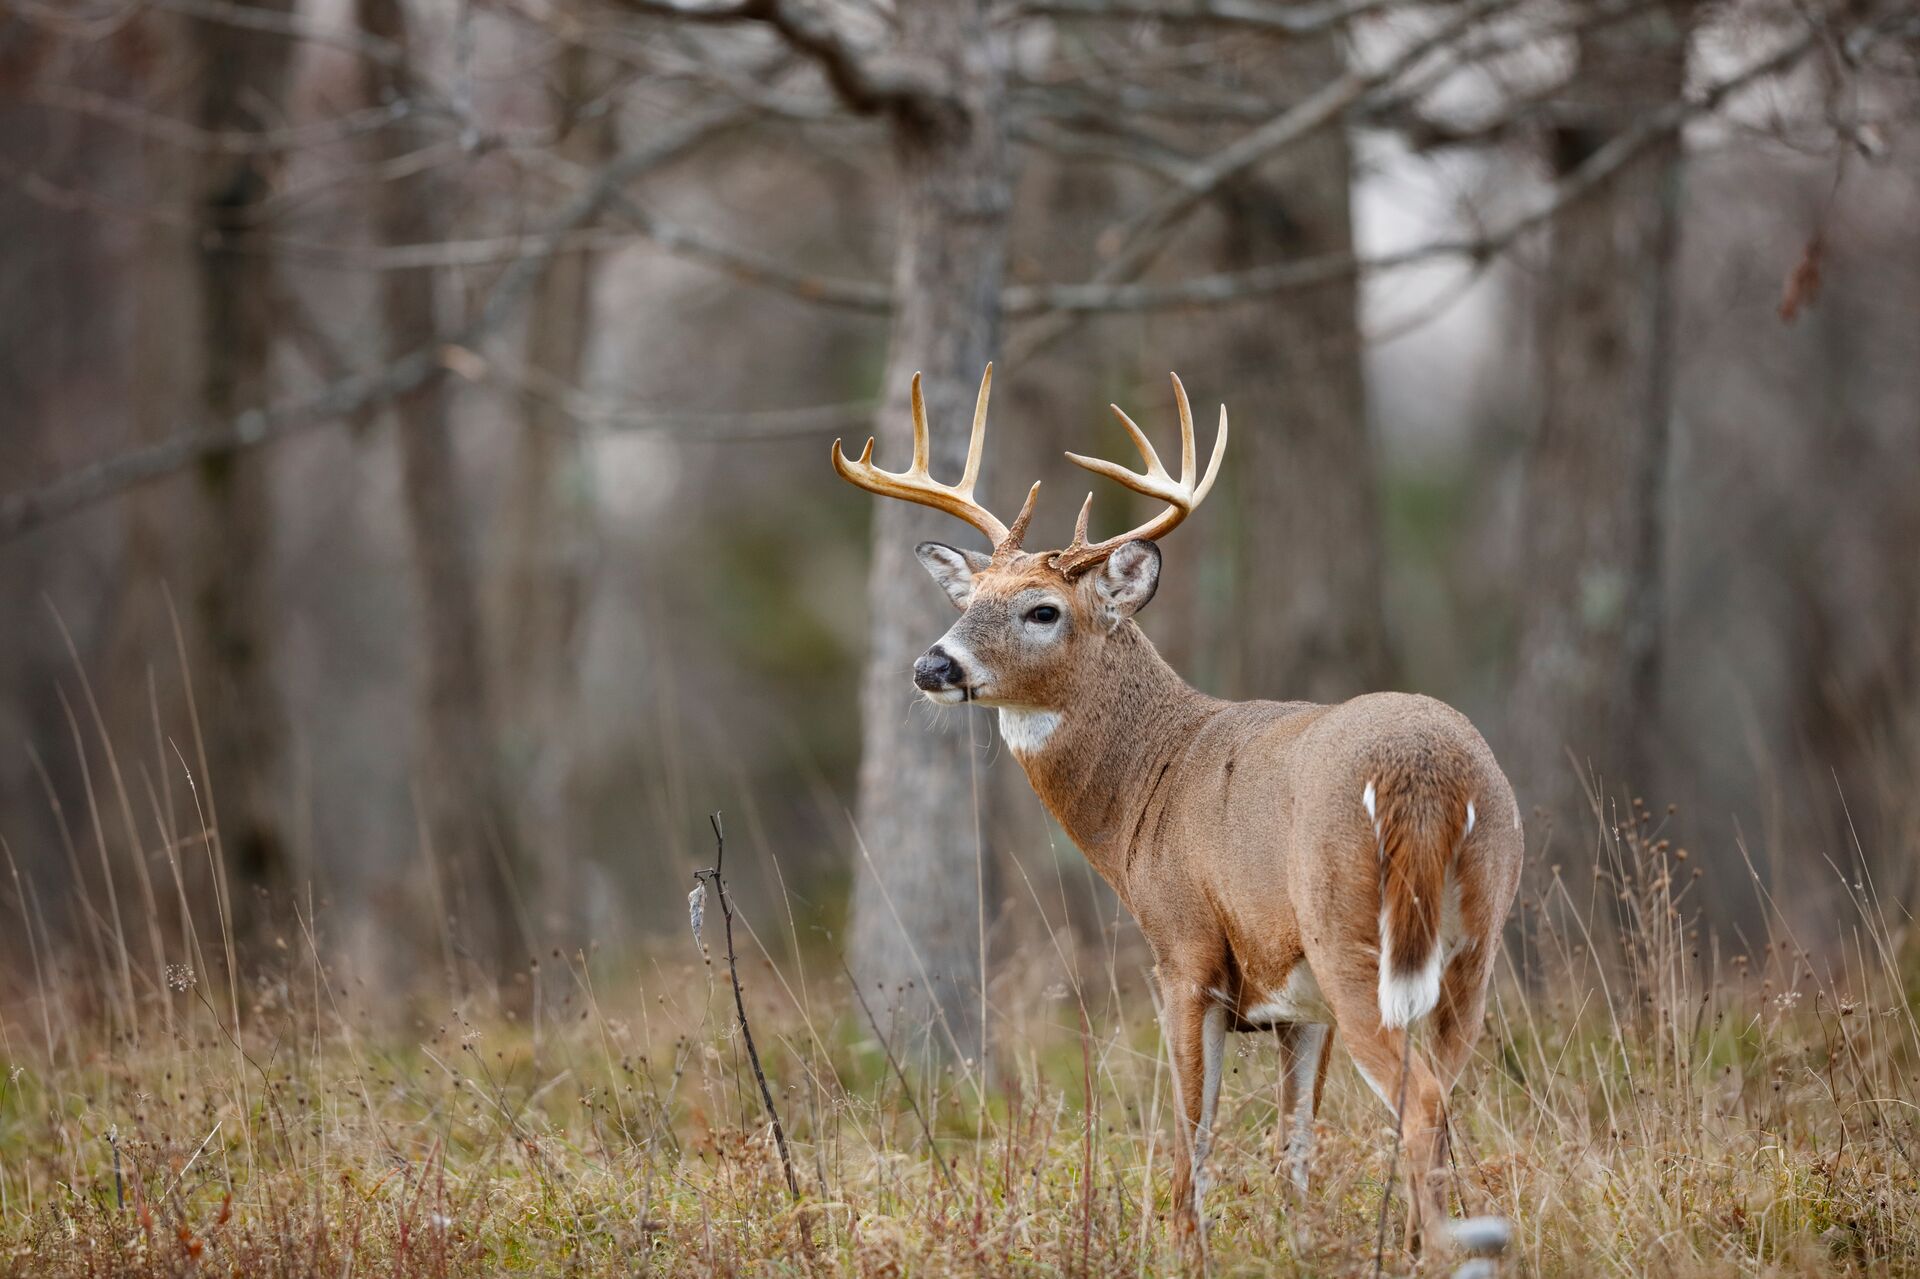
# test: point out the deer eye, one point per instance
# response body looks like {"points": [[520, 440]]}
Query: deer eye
{"points": [[1044, 615]]}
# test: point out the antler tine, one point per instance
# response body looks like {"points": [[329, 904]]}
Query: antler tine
{"points": [[922, 448], [1213, 463], [1018, 531], [1181, 497], [977, 442], [915, 484], [1186, 432], [1140, 441]]}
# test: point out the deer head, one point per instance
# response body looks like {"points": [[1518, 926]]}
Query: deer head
{"points": [[1032, 624]]}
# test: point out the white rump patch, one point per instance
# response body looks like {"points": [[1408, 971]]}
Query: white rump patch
{"points": [[1367, 798], [1469, 829], [1407, 997], [1026, 731], [1298, 1000]]}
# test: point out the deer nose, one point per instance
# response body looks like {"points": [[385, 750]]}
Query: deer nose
{"points": [[936, 670]]}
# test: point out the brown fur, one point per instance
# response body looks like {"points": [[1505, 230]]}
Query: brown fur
{"points": [[1237, 836]]}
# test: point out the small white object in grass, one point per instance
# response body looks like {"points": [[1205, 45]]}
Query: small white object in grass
{"points": [[1482, 1236], [1476, 1268], [697, 911]]}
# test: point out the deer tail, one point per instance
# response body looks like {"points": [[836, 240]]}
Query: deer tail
{"points": [[1420, 819]]}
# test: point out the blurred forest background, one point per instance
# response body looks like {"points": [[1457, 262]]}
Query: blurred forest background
{"points": [[414, 501]]}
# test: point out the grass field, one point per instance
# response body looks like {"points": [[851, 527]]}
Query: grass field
{"points": [[1658, 1105]]}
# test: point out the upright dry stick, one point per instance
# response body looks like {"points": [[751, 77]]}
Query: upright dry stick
{"points": [[739, 1000]]}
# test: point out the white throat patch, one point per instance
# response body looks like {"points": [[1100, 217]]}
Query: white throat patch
{"points": [[1026, 731]]}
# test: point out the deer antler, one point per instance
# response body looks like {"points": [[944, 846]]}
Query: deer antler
{"points": [[915, 485], [1181, 497]]}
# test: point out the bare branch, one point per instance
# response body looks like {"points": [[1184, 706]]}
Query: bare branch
{"points": [[295, 26], [24, 510], [1223, 289], [141, 120], [1138, 152], [758, 268], [595, 413], [1313, 113], [1289, 20], [866, 84], [76, 490]]}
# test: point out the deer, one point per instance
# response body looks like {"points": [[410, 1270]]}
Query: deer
{"points": [[1295, 868]]}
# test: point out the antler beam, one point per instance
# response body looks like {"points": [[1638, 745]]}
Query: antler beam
{"points": [[1181, 496], [916, 485]]}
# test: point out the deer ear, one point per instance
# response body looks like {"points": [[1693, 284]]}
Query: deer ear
{"points": [[953, 569], [1128, 580]]}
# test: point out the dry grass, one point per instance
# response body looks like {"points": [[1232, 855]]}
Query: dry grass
{"points": [[1646, 1108]]}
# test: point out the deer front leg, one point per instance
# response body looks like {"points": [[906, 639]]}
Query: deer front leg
{"points": [[1195, 1025]]}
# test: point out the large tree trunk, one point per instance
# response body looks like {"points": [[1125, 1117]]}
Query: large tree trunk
{"points": [[1307, 621], [206, 331], [242, 79], [1589, 589], [916, 907], [468, 820], [551, 544]]}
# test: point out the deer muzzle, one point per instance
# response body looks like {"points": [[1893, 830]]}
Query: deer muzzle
{"points": [[937, 672]]}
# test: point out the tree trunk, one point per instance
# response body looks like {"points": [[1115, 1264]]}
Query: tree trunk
{"points": [[1308, 621], [917, 905], [242, 80], [469, 823], [551, 544], [1589, 590], [207, 323]]}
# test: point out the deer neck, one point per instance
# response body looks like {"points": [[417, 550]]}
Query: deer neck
{"points": [[1095, 759]]}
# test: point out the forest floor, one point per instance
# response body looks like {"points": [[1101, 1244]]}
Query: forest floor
{"points": [[1653, 1107]]}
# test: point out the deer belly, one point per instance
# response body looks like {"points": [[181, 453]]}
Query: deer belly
{"points": [[1298, 998]]}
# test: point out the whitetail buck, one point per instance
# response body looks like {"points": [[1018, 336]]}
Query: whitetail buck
{"points": [[1294, 866]]}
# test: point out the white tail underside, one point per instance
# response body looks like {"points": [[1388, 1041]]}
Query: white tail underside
{"points": [[1407, 997]]}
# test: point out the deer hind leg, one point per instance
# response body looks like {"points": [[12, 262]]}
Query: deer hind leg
{"points": [[1195, 1026], [1303, 1067], [1380, 1053], [1462, 1008]]}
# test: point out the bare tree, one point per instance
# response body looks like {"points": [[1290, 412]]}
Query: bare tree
{"points": [[206, 346], [241, 80], [916, 904], [1590, 585], [467, 815]]}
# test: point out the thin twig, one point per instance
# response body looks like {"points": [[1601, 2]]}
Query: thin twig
{"points": [[740, 1001]]}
